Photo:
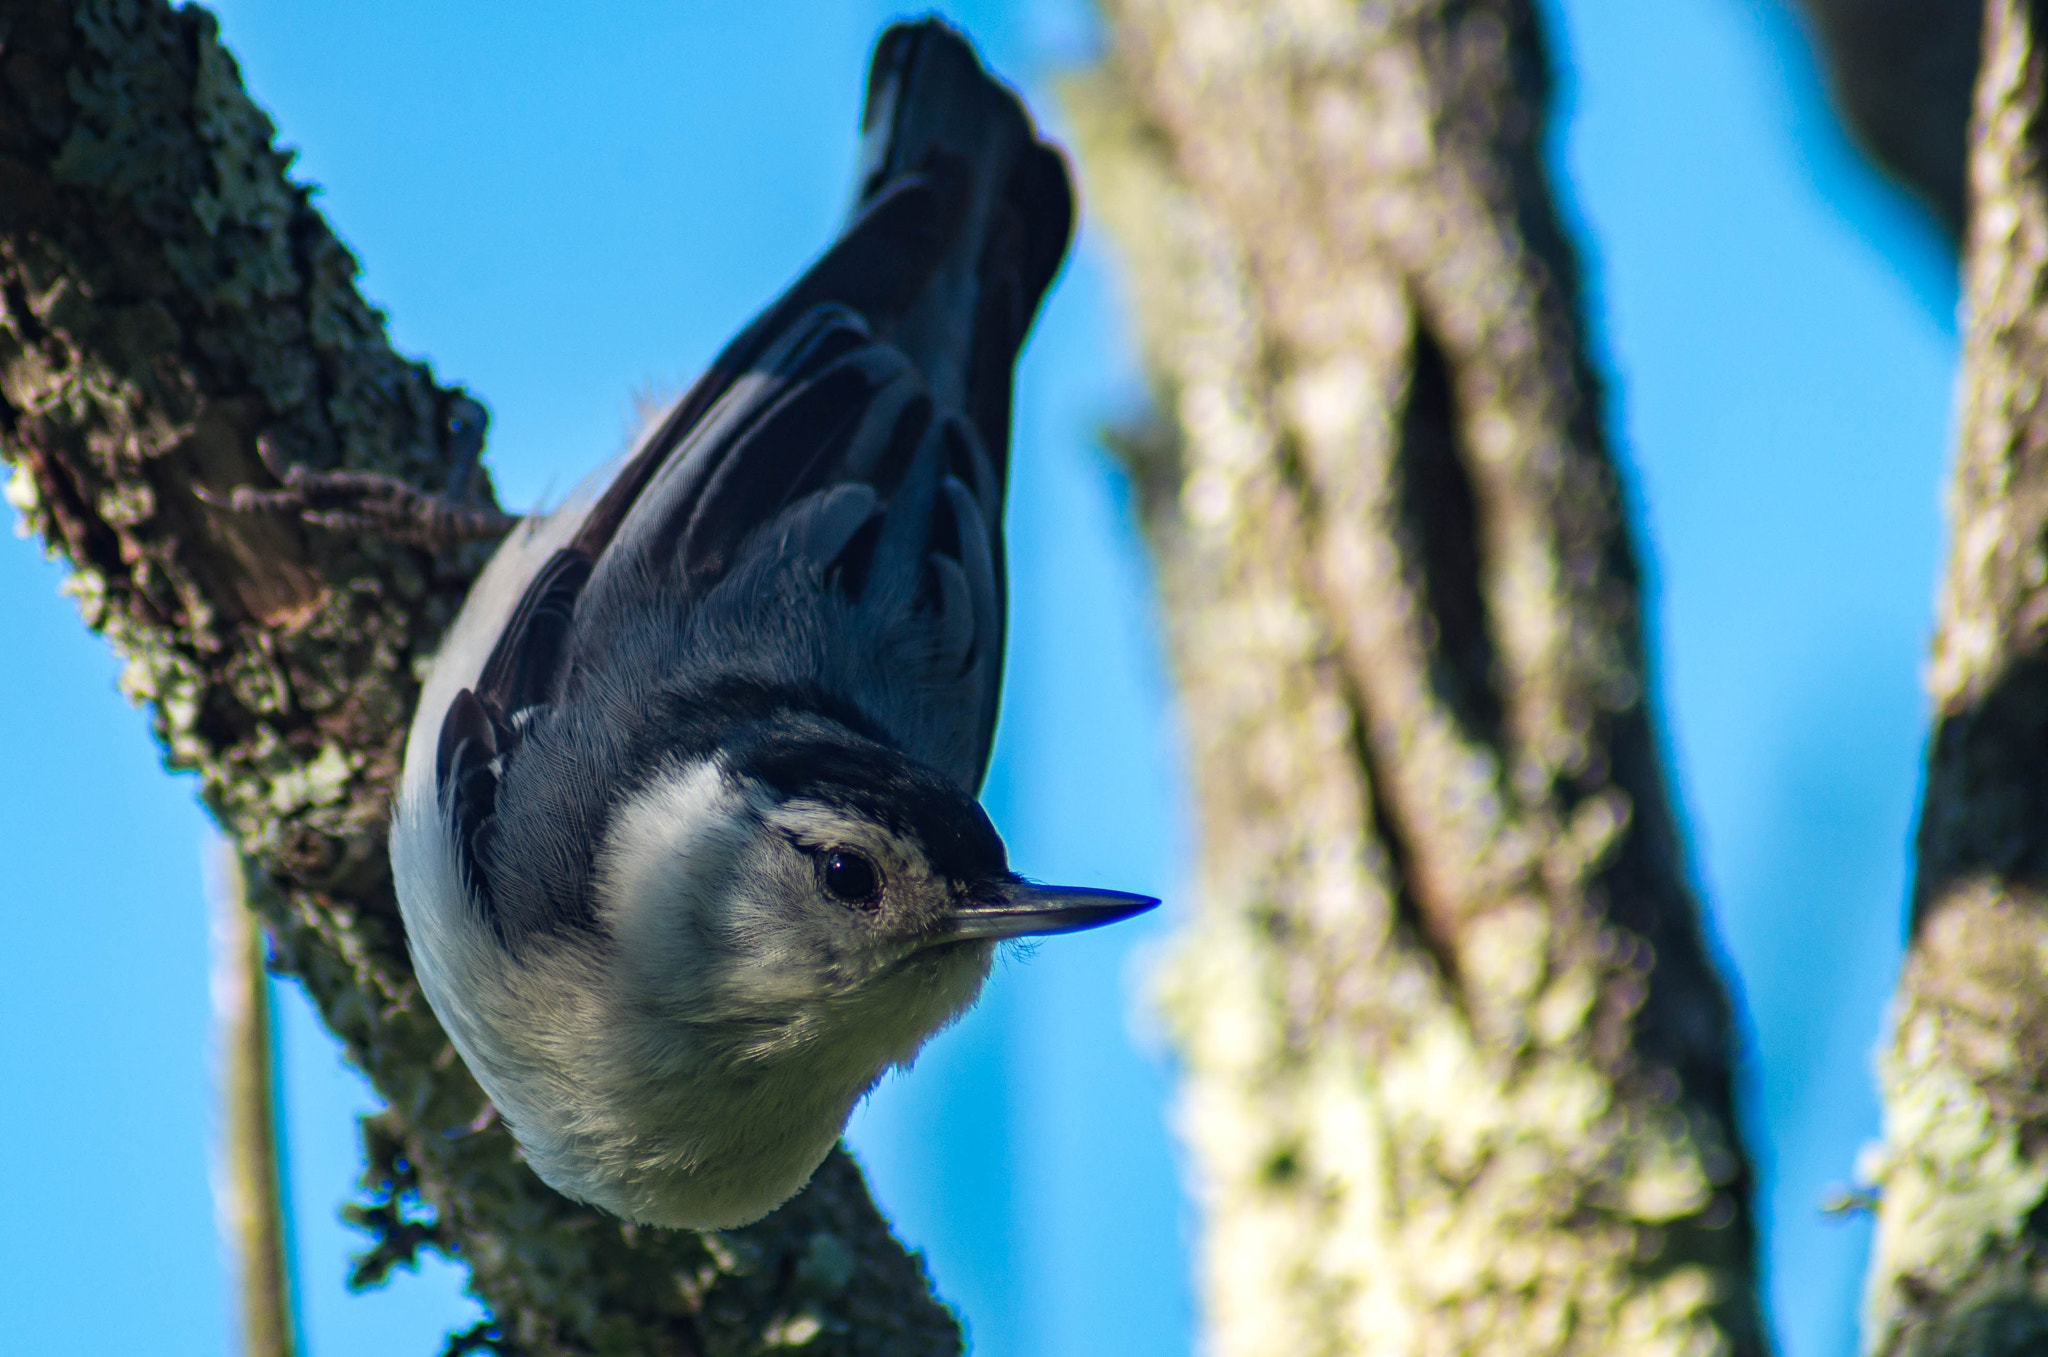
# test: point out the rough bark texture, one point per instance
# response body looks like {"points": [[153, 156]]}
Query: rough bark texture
{"points": [[1961, 1264], [1900, 73], [167, 297], [1458, 1064]]}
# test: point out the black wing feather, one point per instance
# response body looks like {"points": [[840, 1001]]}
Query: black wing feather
{"points": [[465, 771], [886, 254], [861, 425], [797, 445], [523, 665]]}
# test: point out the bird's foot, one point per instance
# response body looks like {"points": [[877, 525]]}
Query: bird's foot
{"points": [[375, 504]]}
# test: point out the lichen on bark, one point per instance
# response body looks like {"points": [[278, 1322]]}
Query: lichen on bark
{"points": [[168, 296], [1961, 1259], [1457, 1063]]}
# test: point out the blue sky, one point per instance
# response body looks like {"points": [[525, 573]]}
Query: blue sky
{"points": [[562, 215]]}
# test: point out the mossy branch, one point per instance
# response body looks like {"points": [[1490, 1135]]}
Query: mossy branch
{"points": [[1458, 1063], [169, 298], [1961, 1261]]}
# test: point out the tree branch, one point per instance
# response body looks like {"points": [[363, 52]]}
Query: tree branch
{"points": [[1960, 1264], [248, 1192], [168, 297], [1458, 1064]]}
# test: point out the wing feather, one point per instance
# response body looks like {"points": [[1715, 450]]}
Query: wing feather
{"points": [[821, 512]]}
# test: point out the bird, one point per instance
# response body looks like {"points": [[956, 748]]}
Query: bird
{"points": [[687, 844]]}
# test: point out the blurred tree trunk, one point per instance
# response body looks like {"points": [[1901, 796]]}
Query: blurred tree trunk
{"points": [[1457, 1061], [168, 297], [1961, 1263]]}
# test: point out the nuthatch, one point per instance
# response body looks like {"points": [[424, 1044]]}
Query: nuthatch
{"points": [[688, 846]]}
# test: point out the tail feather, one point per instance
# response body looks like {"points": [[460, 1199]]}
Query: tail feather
{"points": [[1002, 199], [961, 219]]}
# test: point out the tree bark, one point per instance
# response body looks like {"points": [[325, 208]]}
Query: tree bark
{"points": [[1457, 1061], [168, 297], [1961, 1261]]}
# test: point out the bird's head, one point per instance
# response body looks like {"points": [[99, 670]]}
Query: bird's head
{"points": [[808, 890]]}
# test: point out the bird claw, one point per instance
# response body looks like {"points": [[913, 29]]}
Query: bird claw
{"points": [[374, 504]]}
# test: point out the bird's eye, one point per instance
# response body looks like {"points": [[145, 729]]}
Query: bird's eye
{"points": [[850, 877]]}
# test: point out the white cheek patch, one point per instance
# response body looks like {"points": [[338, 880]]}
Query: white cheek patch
{"points": [[664, 873], [711, 907]]}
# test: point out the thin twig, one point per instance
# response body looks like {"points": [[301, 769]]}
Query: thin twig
{"points": [[248, 1195]]}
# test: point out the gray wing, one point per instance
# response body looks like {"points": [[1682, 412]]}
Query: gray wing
{"points": [[859, 428]]}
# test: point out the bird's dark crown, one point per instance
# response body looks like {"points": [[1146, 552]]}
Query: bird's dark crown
{"points": [[805, 743], [814, 761]]}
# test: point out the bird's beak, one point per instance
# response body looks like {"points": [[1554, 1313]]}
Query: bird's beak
{"points": [[1023, 909]]}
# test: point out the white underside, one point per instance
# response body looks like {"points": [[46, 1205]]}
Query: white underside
{"points": [[611, 1099]]}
